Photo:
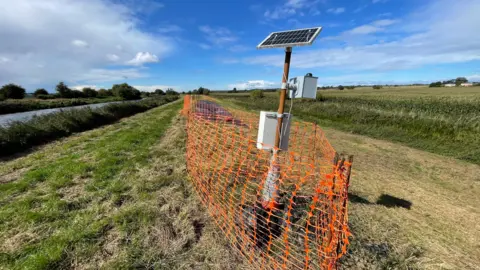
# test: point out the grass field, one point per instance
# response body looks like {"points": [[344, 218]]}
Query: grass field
{"points": [[118, 197], [439, 120]]}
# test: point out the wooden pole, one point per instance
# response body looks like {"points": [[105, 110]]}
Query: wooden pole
{"points": [[270, 192], [283, 93]]}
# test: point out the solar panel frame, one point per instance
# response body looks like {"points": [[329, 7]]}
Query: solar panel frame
{"points": [[291, 44]]}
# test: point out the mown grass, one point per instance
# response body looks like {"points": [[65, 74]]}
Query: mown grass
{"points": [[25, 105], [443, 124], [111, 198], [408, 209], [19, 136]]}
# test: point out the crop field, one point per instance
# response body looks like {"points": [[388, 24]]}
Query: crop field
{"points": [[439, 120], [119, 197]]}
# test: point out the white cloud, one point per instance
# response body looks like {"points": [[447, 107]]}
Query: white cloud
{"points": [[279, 12], [143, 58], [255, 84], [204, 46], [170, 28], [80, 87], [296, 3], [385, 22], [338, 10], [51, 32], [379, 1], [376, 26], [357, 10], [4, 60], [79, 43], [435, 41], [292, 7], [152, 88], [100, 75], [112, 57], [474, 78], [143, 7], [364, 29], [218, 36]]}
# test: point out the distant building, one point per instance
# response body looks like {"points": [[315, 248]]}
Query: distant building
{"points": [[466, 84], [450, 85]]}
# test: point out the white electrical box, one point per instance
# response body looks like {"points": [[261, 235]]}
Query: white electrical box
{"points": [[267, 130], [303, 87]]}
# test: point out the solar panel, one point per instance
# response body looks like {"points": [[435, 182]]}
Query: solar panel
{"points": [[300, 37]]}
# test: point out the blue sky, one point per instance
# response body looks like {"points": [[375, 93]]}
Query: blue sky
{"points": [[187, 44]]}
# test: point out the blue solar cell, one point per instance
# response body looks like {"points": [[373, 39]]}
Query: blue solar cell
{"points": [[290, 38]]}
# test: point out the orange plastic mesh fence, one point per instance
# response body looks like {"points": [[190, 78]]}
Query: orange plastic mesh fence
{"points": [[303, 224]]}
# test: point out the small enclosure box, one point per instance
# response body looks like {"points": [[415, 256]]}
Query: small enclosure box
{"points": [[267, 130], [303, 86]]}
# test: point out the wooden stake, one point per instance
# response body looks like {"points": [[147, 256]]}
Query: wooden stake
{"points": [[283, 93]]}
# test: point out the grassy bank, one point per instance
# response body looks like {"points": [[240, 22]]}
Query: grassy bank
{"points": [[20, 136], [443, 124], [111, 198], [25, 105]]}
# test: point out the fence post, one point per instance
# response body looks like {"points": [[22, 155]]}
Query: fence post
{"points": [[186, 104]]}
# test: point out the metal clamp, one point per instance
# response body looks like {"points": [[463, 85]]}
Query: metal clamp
{"points": [[277, 115]]}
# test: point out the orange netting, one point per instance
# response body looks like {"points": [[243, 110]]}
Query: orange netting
{"points": [[295, 220]]}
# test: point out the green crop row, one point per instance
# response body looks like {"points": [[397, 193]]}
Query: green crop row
{"points": [[439, 125]]}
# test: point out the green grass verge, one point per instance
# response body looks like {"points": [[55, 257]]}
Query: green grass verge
{"points": [[20, 136], [443, 125], [113, 198], [25, 105]]}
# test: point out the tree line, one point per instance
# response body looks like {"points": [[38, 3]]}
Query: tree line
{"points": [[200, 91], [458, 81], [123, 91]]}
